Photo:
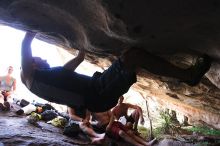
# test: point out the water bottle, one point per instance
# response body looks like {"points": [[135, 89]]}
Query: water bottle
{"points": [[123, 120], [29, 108]]}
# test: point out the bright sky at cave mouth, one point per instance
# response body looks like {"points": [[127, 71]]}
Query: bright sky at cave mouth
{"points": [[10, 43], [10, 54]]}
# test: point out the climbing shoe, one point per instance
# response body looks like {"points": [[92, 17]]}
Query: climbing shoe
{"points": [[20, 112], [7, 106], [198, 70]]}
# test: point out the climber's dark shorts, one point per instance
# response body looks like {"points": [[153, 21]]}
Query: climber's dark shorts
{"points": [[109, 86], [130, 119]]}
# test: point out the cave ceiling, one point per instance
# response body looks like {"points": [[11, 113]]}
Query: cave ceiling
{"points": [[178, 30]]}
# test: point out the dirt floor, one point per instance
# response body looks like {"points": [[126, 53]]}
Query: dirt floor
{"points": [[15, 130]]}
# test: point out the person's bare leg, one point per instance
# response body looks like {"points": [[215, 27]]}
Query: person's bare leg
{"points": [[128, 138], [93, 136], [95, 140], [135, 58], [136, 116], [141, 140], [1, 98], [89, 131], [149, 143]]}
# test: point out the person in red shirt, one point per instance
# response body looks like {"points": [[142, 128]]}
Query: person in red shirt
{"points": [[116, 130]]}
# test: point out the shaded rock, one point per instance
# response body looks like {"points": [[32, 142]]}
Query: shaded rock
{"points": [[170, 142], [15, 130]]}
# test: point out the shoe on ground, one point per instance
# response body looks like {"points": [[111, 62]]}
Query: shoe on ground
{"points": [[7, 106], [2, 107], [20, 112]]}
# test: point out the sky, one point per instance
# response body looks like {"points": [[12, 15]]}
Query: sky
{"points": [[10, 54], [10, 44]]}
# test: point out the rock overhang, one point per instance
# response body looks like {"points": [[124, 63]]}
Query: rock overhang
{"points": [[176, 30]]}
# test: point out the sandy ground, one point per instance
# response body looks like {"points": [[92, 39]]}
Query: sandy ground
{"points": [[16, 131]]}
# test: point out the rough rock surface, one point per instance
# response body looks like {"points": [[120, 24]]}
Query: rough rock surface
{"points": [[15, 130], [178, 30]]}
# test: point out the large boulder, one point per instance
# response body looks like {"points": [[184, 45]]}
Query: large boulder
{"points": [[178, 30]]}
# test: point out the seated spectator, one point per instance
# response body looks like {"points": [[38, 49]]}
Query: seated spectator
{"points": [[116, 130], [7, 87], [83, 118], [121, 109]]}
